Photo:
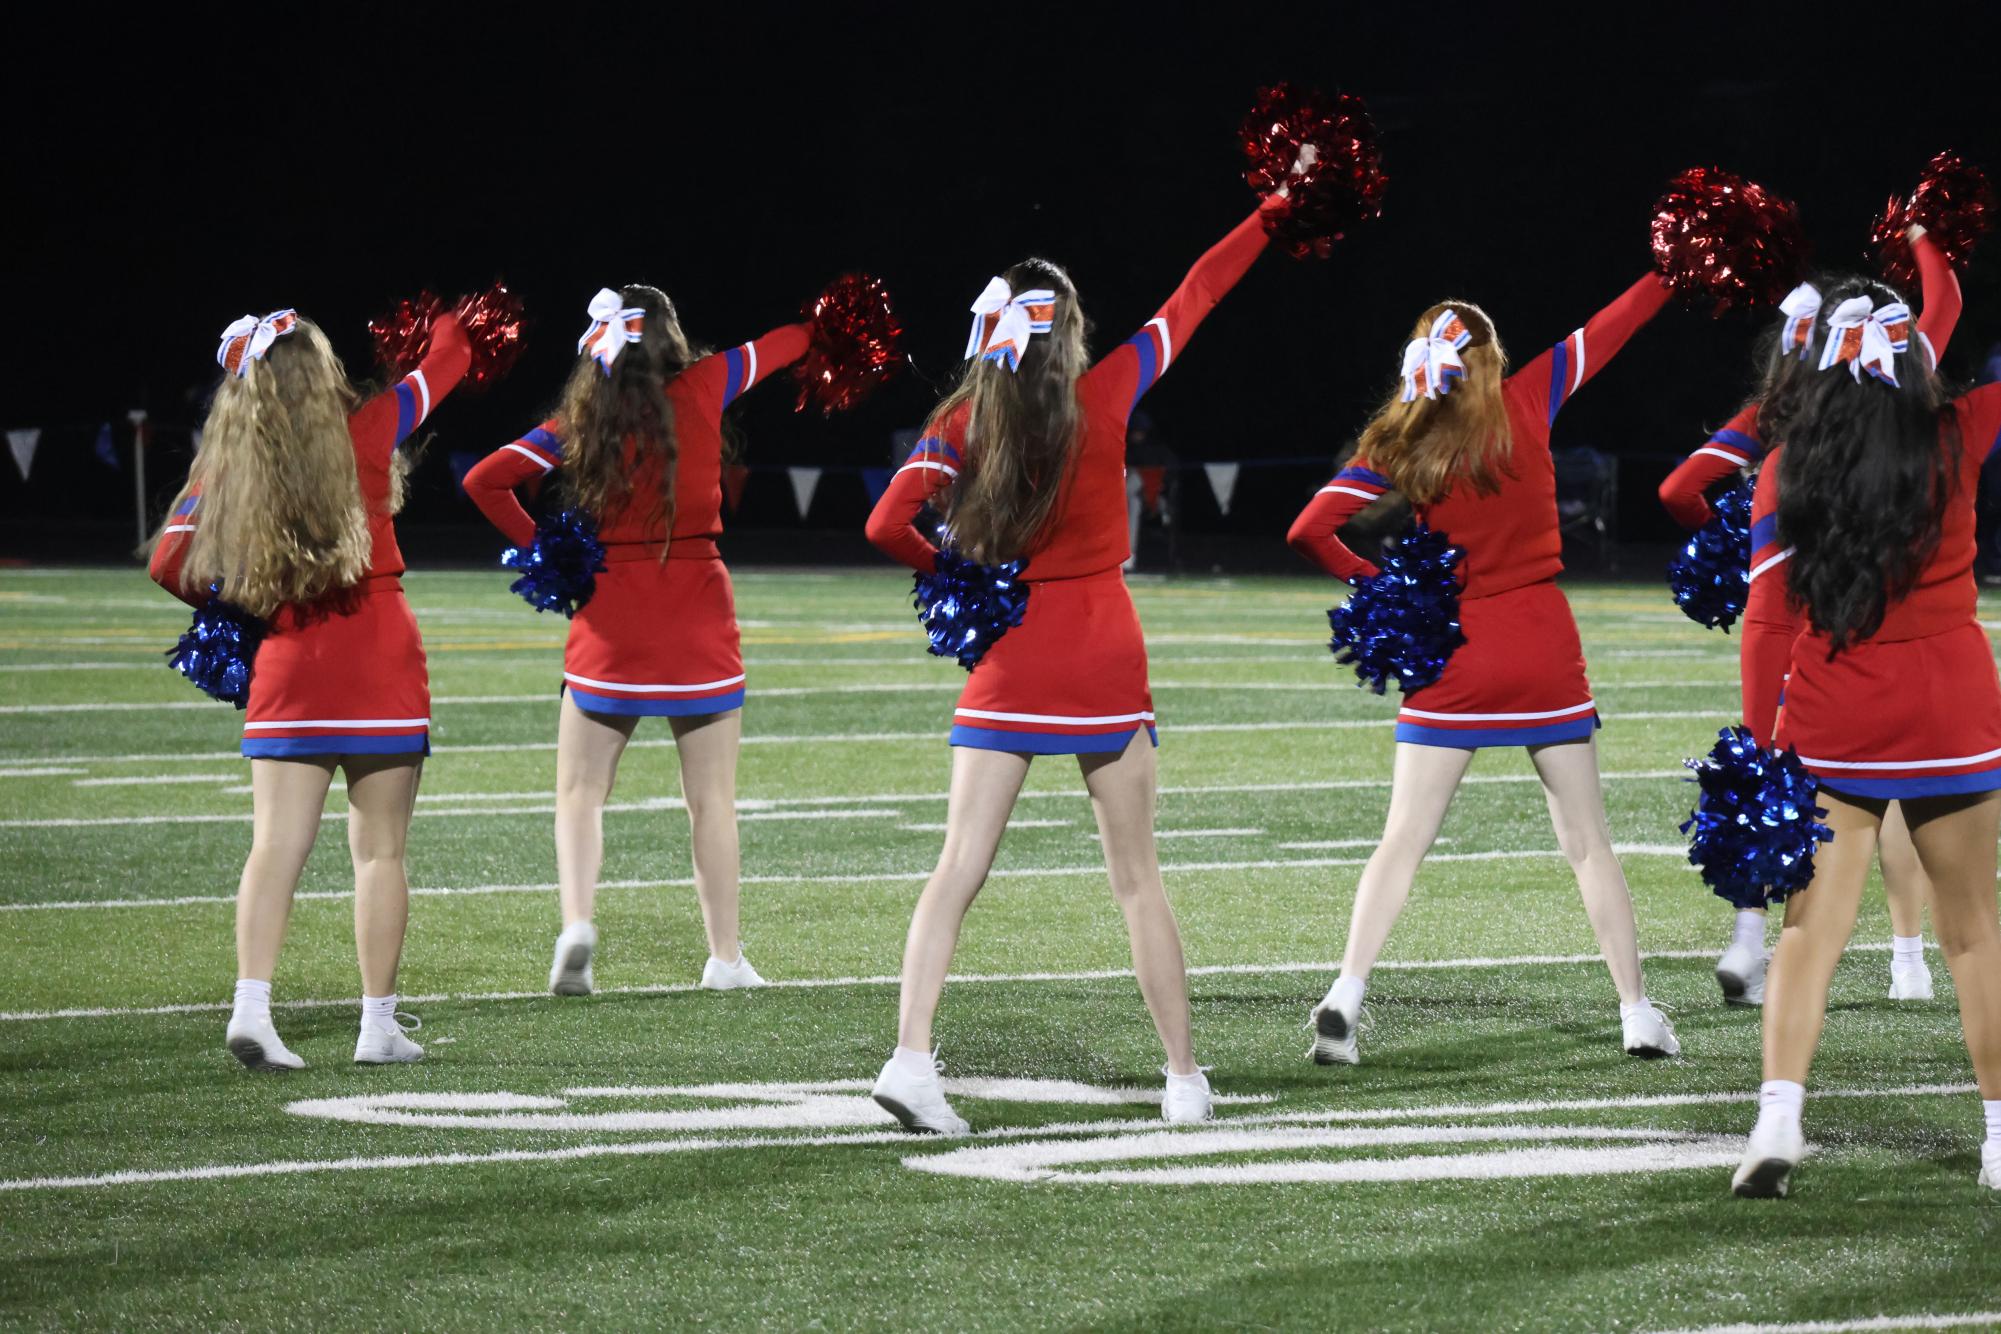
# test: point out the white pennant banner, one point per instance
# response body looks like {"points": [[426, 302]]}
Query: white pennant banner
{"points": [[805, 481], [1223, 481], [24, 443]]}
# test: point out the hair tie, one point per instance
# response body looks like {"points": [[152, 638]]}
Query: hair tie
{"points": [[1867, 339], [1004, 321], [1431, 365], [247, 339], [612, 327]]}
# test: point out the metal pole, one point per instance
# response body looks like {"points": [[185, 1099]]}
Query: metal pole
{"points": [[137, 416]]}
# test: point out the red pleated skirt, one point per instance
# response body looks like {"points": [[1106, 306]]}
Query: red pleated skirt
{"points": [[1518, 680], [343, 676], [657, 637]]}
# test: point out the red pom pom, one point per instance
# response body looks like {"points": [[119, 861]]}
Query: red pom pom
{"points": [[1953, 202], [493, 322], [1324, 200], [854, 344], [1722, 239], [403, 336]]}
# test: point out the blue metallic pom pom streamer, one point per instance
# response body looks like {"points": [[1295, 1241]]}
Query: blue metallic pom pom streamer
{"points": [[1711, 575], [1404, 622], [218, 649], [559, 568], [1754, 828], [966, 606]]}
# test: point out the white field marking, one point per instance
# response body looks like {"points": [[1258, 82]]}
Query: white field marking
{"points": [[1011, 824], [50, 772], [1879, 1322], [1675, 850], [1643, 1150], [890, 980], [1319, 845], [647, 1148], [152, 780], [152, 666], [481, 812], [1197, 833]]}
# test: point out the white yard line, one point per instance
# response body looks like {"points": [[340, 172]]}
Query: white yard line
{"points": [[1879, 1322]]}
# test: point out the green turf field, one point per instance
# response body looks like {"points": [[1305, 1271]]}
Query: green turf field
{"points": [[659, 1156]]}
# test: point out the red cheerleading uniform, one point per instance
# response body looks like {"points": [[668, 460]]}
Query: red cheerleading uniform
{"points": [[1071, 678], [1770, 622], [658, 636], [345, 674], [1518, 680]]}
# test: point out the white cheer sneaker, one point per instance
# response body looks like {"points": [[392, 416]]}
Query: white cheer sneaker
{"points": [[1648, 1035], [1775, 1149], [1334, 1033], [570, 971], [1741, 974], [918, 1101], [1990, 1165], [387, 1044], [720, 976], [1186, 1101], [1910, 981], [254, 1042]]}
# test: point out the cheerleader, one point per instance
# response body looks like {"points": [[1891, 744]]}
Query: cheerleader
{"points": [[289, 509], [1025, 460], [1468, 446], [1892, 695], [636, 444], [1771, 623]]}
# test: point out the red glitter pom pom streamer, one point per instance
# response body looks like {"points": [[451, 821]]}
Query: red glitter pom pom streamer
{"points": [[1341, 189], [1727, 241], [855, 344], [492, 320], [1953, 202]]}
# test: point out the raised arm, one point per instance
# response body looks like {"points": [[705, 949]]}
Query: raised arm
{"points": [[728, 375], [1941, 294], [1141, 360], [171, 551], [931, 467], [1734, 447], [1316, 532], [1550, 380], [386, 421], [494, 481]]}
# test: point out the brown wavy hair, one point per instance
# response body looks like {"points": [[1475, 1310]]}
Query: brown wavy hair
{"points": [[281, 517], [1022, 429], [620, 427], [1427, 445]]}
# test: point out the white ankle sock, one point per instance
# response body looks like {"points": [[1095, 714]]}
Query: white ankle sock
{"points": [[1750, 929], [1993, 1110], [1197, 1078], [253, 999], [1907, 949], [1347, 992], [915, 1062], [1627, 1009], [1781, 1100], [379, 1010]]}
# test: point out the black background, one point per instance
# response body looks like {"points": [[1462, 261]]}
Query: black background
{"points": [[170, 172]]}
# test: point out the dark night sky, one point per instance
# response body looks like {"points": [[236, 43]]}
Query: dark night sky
{"points": [[740, 155]]}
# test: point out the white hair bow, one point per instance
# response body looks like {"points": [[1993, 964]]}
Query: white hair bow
{"points": [[247, 339], [1866, 338], [1801, 308], [1004, 321], [612, 327], [1431, 364]]}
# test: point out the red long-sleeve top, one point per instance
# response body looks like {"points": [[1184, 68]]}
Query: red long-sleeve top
{"points": [[376, 428], [1510, 537], [1087, 533], [1737, 446], [698, 396]]}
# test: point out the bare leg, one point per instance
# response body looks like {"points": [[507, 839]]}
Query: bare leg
{"points": [[1954, 837], [1570, 781], [1904, 882], [1421, 789], [381, 797], [708, 748], [1819, 920], [1122, 797], [588, 746], [287, 798], [985, 784]]}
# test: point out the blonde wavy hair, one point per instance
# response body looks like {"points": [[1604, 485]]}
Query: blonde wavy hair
{"points": [[1022, 428], [281, 517], [1428, 444]]}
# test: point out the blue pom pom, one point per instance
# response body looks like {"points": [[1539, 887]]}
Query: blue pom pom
{"points": [[1403, 622], [966, 607], [218, 649], [1755, 826], [1711, 575], [559, 568]]}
